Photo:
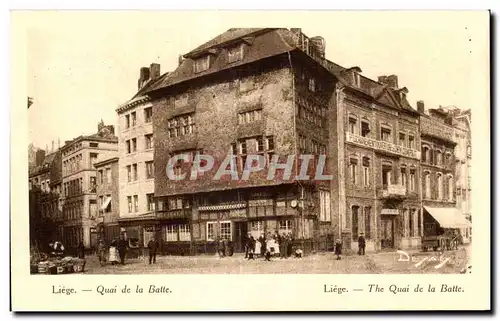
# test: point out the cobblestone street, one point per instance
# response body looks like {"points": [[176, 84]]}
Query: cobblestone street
{"points": [[322, 263]]}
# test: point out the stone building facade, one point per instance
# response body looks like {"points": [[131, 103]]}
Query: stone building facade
{"points": [[79, 182], [107, 190]]}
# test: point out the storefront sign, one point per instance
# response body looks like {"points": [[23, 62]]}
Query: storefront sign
{"points": [[389, 211], [382, 146], [153, 228]]}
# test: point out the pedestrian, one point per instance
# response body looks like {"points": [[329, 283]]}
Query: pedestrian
{"points": [[248, 245], [113, 253], [252, 243], [153, 248], [101, 252], [221, 247], [361, 244], [338, 249], [263, 245], [81, 250], [283, 246], [290, 245], [122, 249]]}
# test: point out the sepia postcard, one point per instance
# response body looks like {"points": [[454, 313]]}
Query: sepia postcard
{"points": [[195, 160]]}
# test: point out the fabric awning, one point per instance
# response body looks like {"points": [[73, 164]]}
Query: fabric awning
{"points": [[448, 217], [106, 203]]}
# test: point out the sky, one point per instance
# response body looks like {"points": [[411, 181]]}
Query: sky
{"points": [[82, 65]]}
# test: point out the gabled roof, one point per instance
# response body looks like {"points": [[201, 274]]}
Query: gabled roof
{"points": [[265, 43], [224, 38]]}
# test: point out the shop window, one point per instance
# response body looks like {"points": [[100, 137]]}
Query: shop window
{"points": [[285, 226], [211, 236], [184, 233]]}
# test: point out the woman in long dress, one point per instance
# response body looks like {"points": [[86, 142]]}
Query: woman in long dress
{"points": [[113, 253], [257, 247]]}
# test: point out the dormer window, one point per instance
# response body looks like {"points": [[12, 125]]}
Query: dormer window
{"points": [[235, 53], [202, 64], [356, 79]]}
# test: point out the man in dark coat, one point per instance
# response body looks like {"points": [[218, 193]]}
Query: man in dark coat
{"points": [[248, 245], [338, 248], [221, 247], [81, 250], [361, 244], [153, 248], [122, 248]]}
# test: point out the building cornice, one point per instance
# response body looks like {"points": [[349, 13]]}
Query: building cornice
{"points": [[132, 103]]}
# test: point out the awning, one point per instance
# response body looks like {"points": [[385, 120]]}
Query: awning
{"points": [[448, 217], [106, 203]]}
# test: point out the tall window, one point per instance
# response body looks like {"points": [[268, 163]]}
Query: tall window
{"points": [[386, 175], [148, 114], [211, 236], [133, 118], [427, 185], [419, 223], [353, 165], [439, 158], [129, 173], [402, 139], [134, 171], [440, 185], [249, 116], [325, 206], [411, 141], [368, 222], [365, 129], [171, 233], [312, 84], [184, 233], [352, 125], [148, 139], [134, 145], [129, 146], [129, 202], [136, 203], [127, 121], [403, 176], [151, 202], [385, 134], [425, 154], [406, 228], [366, 171], [100, 175], [235, 53], [412, 179], [355, 222], [150, 170]]}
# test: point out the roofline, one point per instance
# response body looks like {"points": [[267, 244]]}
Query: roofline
{"points": [[107, 161], [90, 138], [132, 103], [195, 53]]}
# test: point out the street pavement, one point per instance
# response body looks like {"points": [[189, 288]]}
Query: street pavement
{"points": [[320, 263]]}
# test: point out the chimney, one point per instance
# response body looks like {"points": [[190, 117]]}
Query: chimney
{"points": [[143, 77], [180, 59], [53, 145], [391, 81], [154, 70], [39, 157], [319, 44], [58, 143], [420, 106]]}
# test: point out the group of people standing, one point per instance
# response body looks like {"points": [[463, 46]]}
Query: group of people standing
{"points": [[270, 246], [117, 251]]}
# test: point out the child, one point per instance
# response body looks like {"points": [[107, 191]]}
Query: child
{"points": [[113, 253], [298, 253]]}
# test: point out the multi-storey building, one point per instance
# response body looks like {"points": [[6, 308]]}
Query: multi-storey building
{"points": [[107, 191], [438, 171], [136, 168], [381, 157], [45, 192], [79, 184]]}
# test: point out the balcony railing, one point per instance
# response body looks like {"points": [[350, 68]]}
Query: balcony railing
{"points": [[382, 146], [395, 190]]}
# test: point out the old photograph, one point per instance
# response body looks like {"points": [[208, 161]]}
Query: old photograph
{"points": [[230, 149]]}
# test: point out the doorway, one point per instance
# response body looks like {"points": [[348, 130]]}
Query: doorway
{"points": [[387, 226], [240, 236]]}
